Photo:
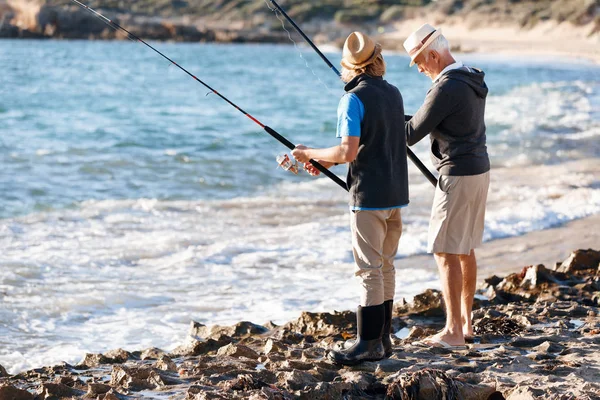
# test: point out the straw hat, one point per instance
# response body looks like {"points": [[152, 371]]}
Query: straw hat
{"points": [[359, 51], [419, 40]]}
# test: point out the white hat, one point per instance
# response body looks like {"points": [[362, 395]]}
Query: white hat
{"points": [[359, 51], [419, 40]]}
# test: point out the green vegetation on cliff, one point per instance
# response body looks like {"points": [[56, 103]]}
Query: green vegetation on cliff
{"points": [[525, 12]]}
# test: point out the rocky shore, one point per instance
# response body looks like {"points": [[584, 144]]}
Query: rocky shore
{"points": [[537, 337]]}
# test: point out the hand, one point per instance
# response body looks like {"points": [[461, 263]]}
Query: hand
{"points": [[300, 153], [308, 167]]}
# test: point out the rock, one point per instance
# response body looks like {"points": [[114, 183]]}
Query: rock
{"points": [[295, 364], [581, 260], [239, 330], [391, 365], [165, 363], [95, 389], [135, 378], [525, 393], [325, 390], [244, 383], [296, 380], [361, 380], [322, 324], [59, 390], [13, 393], [274, 346], [532, 342], [118, 356], [93, 360], [313, 353], [197, 347], [549, 347], [3, 372], [428, 304], [109, 396], [232, 350], [152, 353]]}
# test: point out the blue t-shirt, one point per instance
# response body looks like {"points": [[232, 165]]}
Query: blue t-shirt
{"points": [[351, 112]]}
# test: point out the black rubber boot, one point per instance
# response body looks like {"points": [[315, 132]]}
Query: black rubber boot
{"points": [[368, 346], [386, 339]]}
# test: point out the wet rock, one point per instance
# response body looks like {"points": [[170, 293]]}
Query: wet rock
{"points": [[239, 330], [296, 380], [232, 350], [323, 324], [313, 353], [581, 260], [118, 356], [274, 346], [361, 380], [295, 364], [140, 378], [428, 304], [165, 363], [549, 347], [325, 390], [13, 393], [532, 342], [96, 389], [53, 390], [197, 347], [3, 372], [525, 393], [93, 360], [391, 365], [152, 353], [109, 396], [244, 383]]}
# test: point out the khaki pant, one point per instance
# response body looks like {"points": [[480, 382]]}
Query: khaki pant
{"points": [[375, 237], [458, 214]]}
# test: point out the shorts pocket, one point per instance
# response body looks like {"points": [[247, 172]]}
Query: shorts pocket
{"points": [[447, 182]]}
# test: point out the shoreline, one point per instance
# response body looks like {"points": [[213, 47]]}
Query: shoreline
{"points": [[538, 337], [511, 254]]}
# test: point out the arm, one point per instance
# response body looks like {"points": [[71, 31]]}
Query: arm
{"points": [[437, 106], [345, 152]]}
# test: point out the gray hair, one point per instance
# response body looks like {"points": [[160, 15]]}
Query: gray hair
{"points": [[440, 44]]}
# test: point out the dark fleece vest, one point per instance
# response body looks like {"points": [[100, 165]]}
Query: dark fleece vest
{"points": [[378, 177]]}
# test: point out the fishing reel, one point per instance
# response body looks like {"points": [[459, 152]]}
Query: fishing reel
{"points": [[287, 164]]}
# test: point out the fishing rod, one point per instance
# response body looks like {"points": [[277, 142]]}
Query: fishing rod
{"points": [[267, 129], [410, 153]]}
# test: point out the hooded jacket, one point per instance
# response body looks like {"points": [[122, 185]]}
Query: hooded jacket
{"points": [[453, 113]]}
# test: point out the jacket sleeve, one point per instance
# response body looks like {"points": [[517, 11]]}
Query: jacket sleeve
{"points": [[437, 106]]}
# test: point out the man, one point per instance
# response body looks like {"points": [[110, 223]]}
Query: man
{"points": [[453, 115], [370, 123]]}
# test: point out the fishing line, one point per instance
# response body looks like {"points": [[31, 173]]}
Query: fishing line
{"points": [[266, 128], [289, 34]]}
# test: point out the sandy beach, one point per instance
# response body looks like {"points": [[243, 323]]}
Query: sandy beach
{"points": [[544, 39]]}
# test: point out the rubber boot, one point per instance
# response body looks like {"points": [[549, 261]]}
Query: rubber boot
{"points": [[367, 346], [386, 339]]}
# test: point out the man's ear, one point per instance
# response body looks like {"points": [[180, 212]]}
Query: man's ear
{"points": [[434, 55]]}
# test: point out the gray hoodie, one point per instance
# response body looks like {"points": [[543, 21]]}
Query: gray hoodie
{"points": [[453, 113]]}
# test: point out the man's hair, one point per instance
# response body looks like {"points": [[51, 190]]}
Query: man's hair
{"points": [[376, 69], [440, 44]]}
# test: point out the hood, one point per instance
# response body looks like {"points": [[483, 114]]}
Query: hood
{"points": [[474, 78]]}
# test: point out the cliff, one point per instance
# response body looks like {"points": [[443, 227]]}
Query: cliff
{"points": [[251, 20]]}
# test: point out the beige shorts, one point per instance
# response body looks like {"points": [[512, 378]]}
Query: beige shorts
{"points": [[458, 214]]}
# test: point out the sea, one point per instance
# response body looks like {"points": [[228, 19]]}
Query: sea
{"points": [[134, 200]]}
